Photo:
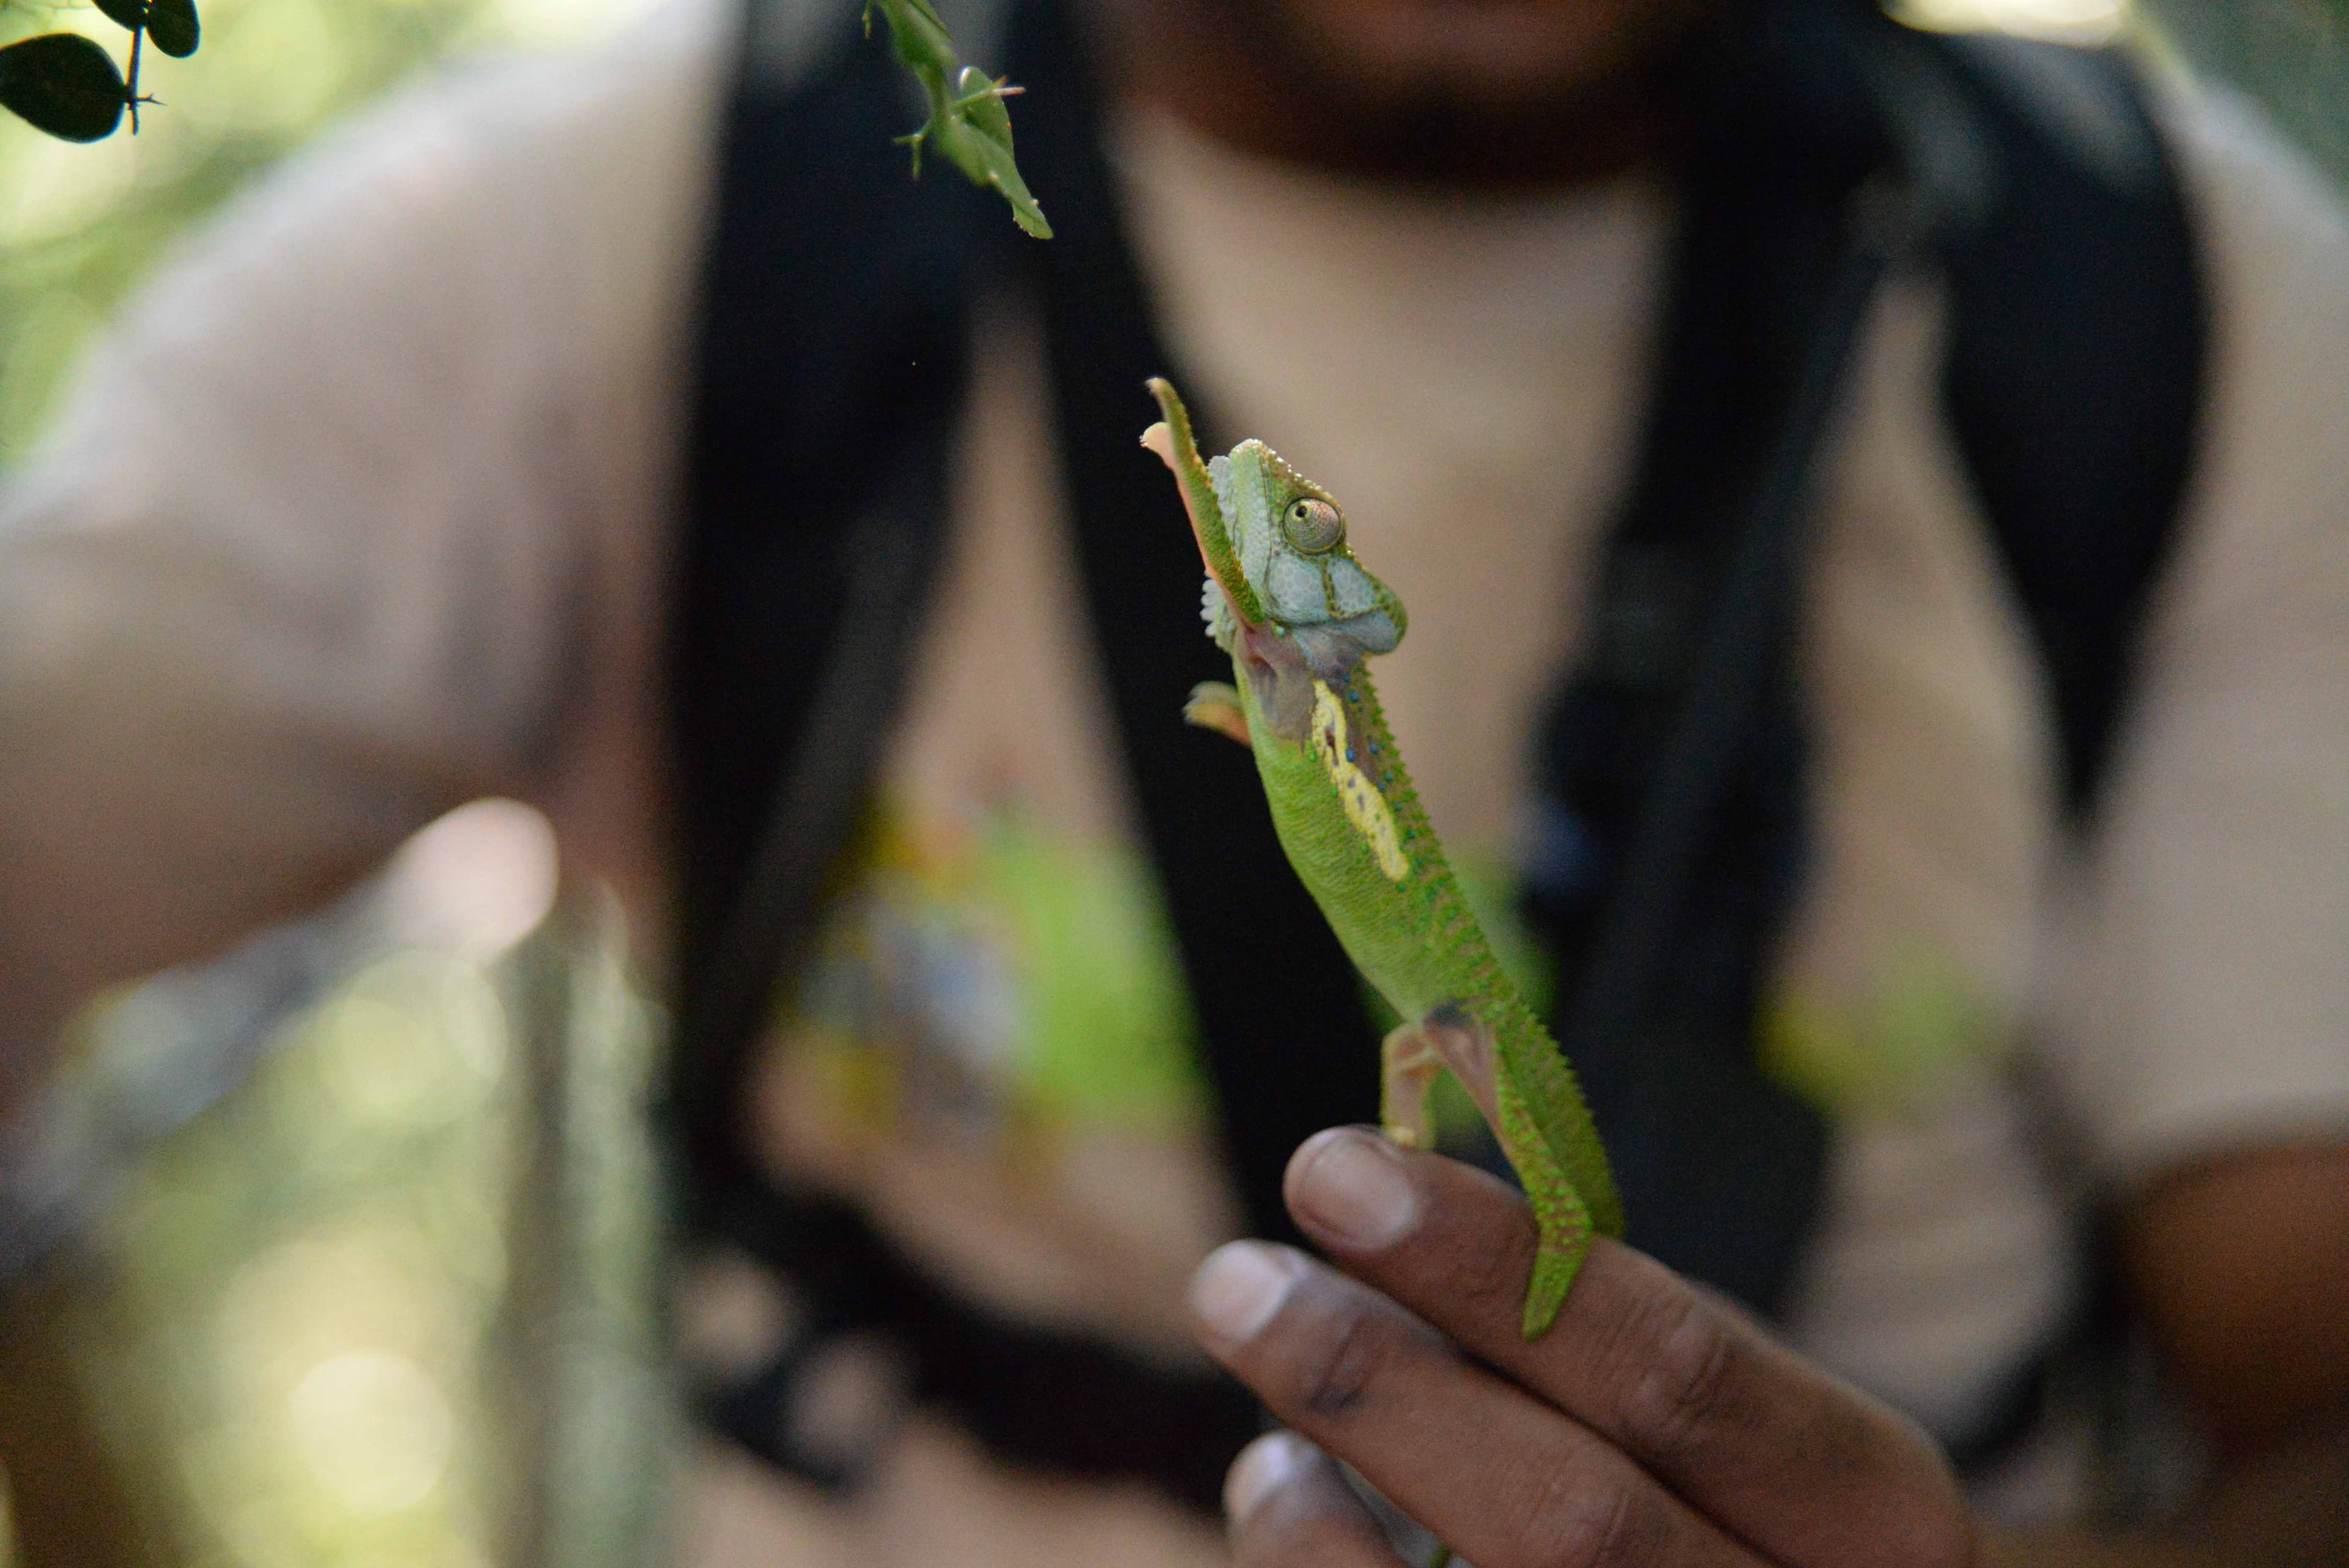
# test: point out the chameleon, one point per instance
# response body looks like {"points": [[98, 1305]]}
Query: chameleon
{"points": [[1285, 596]]}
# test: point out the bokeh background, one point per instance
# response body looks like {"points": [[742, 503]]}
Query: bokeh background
{"points": [[338, 1252], [342, 1252]]}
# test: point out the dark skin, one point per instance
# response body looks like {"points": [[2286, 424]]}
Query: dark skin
{"points": [[1603, 1442], [1656, 1425]]}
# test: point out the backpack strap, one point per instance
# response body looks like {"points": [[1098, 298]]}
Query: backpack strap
{"points": [[2077, 354], [829, 377], [2072, 381], [2078, 358], [1670, 766], [834, 353]]}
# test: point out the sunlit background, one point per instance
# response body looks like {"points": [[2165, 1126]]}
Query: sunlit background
{"points": [[362, 1269], [354, 1263], [358, 1268]]}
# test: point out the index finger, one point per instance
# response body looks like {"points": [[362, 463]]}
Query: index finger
{"points": [[1796, 1463]]}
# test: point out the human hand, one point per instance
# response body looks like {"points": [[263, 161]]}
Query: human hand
{"points": [[1654, 1425]]}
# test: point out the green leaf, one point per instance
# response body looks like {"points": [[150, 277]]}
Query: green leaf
{"points": [[918, 38], [171, 26], [987, 161], [64, 84], [969, 126], [977, 95], [131, 13]]}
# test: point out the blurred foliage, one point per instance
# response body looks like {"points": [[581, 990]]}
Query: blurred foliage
{"points": [[364, 1311], [393, 1300], [301, 1287]]}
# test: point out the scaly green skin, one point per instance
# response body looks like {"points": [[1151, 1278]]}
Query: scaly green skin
{"points": [[1359, 839]]}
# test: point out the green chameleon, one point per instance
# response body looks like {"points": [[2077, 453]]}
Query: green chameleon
{"points": [[1285, 597]]}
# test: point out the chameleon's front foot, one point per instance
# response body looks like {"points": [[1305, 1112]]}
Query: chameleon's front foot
{"points": [[1216, 705], [1408, 1065]]}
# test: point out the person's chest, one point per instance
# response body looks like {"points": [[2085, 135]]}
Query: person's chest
{"points": [[1468, 382]]}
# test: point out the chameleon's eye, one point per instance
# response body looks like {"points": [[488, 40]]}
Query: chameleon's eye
{"points": [[1313, 525]]}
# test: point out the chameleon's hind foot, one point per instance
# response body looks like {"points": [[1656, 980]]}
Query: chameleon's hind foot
{"points": [[1214, 705], [1412, 1057], [1408, 1065]]}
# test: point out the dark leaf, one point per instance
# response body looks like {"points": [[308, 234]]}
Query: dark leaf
{"points": [[172, 27], [64, 84], [131, 13]]}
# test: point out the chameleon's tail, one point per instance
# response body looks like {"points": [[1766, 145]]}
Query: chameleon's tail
{"points": [[1556, 1263], [1558, 1210]]}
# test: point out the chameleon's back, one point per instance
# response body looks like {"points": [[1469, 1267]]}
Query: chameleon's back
{"points": [[1415, 938], [1359, 840]]}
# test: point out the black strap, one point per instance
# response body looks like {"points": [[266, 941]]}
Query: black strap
{"points": [[1672, 836], [1285, 1036], [829, 377], [1671, 762], [2079, 337]]}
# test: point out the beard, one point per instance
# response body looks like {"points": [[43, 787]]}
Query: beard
{"points": [[1489, 58], [1481, 90]]}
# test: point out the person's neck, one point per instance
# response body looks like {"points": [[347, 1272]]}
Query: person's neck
{"points": [[1187, 58]]}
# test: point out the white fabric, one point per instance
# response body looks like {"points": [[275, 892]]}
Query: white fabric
{"points": [[2208, 1005], [363, 511]]}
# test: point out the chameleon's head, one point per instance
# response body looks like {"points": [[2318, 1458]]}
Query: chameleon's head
{"points": [[1275, 547]]}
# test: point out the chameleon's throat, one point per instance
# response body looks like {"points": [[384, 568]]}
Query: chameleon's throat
{"points": [[1275, 671], [1283, 665]]}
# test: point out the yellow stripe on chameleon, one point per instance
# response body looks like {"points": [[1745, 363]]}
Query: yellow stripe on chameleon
{"points": [[1366, 809]]}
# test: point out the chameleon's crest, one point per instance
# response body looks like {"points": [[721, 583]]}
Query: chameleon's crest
{"points": [[1173, 441]]}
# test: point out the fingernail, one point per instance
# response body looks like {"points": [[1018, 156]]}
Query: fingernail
{"points": [[1352, 1189], [1238, 1287], [1263, 1468]]}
